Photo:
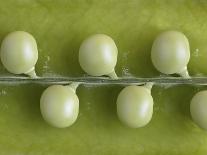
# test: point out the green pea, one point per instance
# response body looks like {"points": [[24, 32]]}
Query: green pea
{"points": [[19, 53], [59, 106], [98, 55], [170, 53], [198, 109], [135, 106]]}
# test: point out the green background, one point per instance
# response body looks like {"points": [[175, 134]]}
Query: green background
{"points": [[59, 28]]}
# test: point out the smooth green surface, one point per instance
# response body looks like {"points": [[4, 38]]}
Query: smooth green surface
{"points": [[198, 108], [135, 106], [170, 52], [59, 28], [97, 129], [98, 55], [59, 106], [19, 52]]}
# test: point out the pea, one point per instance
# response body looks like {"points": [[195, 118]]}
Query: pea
{"points": [[135, 106], [59, 105], [198, 109], [19, 53], [170, 53], [98, 55]]}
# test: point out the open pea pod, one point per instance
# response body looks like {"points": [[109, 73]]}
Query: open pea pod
{"points": [[59, 28]]}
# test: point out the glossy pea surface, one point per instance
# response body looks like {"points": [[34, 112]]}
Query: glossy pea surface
{"points": [[135, 106], [170, 52], [198, 109], [19, 52], [59, 106], [98, 55]]}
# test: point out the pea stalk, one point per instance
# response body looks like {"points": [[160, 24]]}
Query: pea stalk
{"points": [[73, 86], [113, 75], [31, 73], [184, 73], [149, 85]]}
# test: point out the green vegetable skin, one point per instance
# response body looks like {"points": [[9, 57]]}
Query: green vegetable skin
{"points": [[98, 55], [19, 53], [197, 109], [59, 28], [59, 106], [171, 52], [135, 106]]}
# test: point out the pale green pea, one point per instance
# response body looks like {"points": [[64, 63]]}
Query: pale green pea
{"points": [[98, 55], [170, 53], [198, 109], [59, 106], [135, 106], [19, 53]]}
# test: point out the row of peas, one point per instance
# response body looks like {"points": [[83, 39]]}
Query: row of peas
{"points": [[59, 105]]}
